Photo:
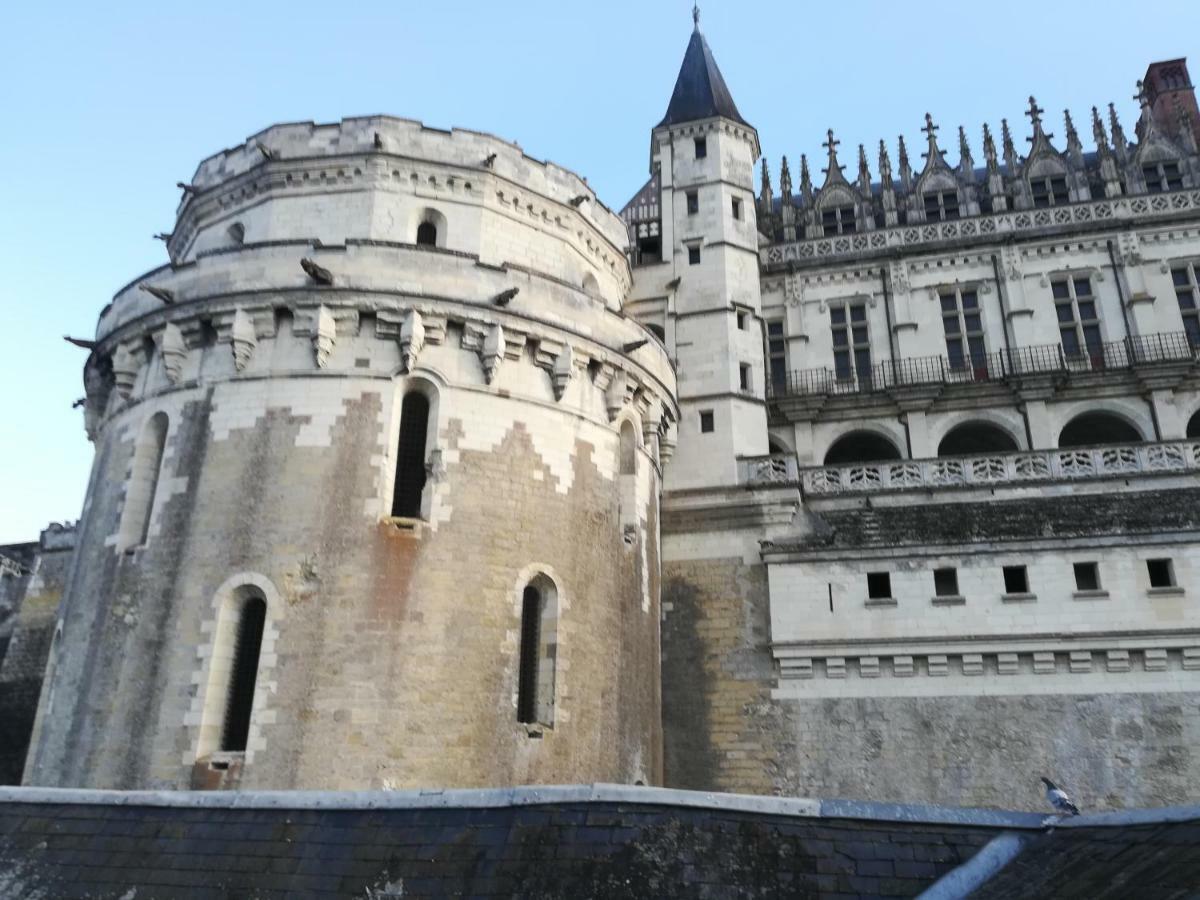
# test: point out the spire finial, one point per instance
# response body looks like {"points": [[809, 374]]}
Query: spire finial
{"points": [[696, 15], [1034, 113]]}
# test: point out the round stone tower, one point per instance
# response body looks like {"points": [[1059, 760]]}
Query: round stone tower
{"points": [[376, 486]]}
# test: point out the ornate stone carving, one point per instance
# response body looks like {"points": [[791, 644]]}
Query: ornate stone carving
{"points": [[412, 339], [324, 335], [125, 367], [563, 372], [172, 351], [492, 352], [242, 339]]}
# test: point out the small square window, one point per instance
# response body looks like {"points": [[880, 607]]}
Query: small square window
{"points": [[737, 208], [945, 582], [742, 321], [694, 255], [706, 421], [701, 148], [879, 585], [693, 203], [1087, 576], [1016, 580], [1162, 573], [744, 376]]}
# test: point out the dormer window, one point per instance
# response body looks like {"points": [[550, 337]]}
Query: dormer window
{"points": [[1049, 191], [839, 220], [1161, 177], [941, 206]]}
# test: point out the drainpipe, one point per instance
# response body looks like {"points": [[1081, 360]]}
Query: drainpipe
{"points": [[1119, 278]]}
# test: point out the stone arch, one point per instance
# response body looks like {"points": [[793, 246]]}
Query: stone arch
{"points": [[590, 285], [1193, 425], [142, 486], [977, 436], [628, 447], [429, 228], [1099, 426], [836, 195], [861, 445]]}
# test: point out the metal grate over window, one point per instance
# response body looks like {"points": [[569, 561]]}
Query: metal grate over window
{"points": [[410, 456], [240, 702]]}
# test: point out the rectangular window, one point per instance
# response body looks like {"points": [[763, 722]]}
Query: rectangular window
{"points": [[1049, 191], [693, 203], [701, 148], [1161, 177], [777, 355], [1187, 292], [744, 376], [941, 206], [879, 586], [851, 347], [839, 220], [706, 421], [1161, 572], [963, 324], [945, 582], [1016, 580], [694, 255], [1087, 576], [737, 208], [743, 320], [1078, 319]]}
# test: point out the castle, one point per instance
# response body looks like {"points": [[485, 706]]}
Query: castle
{"points": [[417, 465]]}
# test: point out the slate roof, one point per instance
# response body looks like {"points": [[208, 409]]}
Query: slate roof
{"points": [[700, 90], [571, 842]]}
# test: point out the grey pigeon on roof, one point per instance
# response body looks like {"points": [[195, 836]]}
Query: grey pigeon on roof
{"points": [[1058, 798]]}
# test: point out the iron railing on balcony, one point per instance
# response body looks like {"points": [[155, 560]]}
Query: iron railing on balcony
{"points": [[1121, 460], [1145, 349]]}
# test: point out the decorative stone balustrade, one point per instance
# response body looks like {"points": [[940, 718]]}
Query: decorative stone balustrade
{"points": [[974, 471]]}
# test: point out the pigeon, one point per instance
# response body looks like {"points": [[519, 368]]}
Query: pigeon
{"points": [[1058, 798]]}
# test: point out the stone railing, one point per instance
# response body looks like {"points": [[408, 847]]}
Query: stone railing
{"points": [[987, 227], [974, 471]]}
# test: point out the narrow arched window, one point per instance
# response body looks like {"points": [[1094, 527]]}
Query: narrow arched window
{"points": [[628, 449], [239, 704], [410, 456], [143, 482], [539, 651], [427, 234]]}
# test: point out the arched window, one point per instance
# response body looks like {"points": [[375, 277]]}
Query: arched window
{"points": [[243, 674], [539, 650], [590, 284], [1091, 428], [860, 446], [410, 456], [237, 233], [976, 437], [628, 449], [143, 482], [1193, 428], [427, 234]]}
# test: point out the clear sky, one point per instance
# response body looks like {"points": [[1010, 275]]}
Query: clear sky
{"points": [[107, 105]]}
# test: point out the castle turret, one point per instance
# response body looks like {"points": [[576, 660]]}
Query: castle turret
{"points": [[704, 152]]}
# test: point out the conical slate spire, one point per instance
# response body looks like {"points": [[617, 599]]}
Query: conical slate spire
{"points": [[700, 91]]}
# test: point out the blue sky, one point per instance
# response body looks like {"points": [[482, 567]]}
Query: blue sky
{"points": [[107, 106]]}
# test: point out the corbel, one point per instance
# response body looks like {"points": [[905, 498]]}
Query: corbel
{"points": [[172, 350]]}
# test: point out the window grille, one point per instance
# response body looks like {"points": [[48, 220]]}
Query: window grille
{"points": [[410, 456], [240, 703]]}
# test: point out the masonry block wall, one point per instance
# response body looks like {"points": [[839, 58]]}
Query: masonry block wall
{"points": [[391, 647]]}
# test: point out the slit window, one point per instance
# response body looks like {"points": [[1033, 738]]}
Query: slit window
{"points": [[1078, 319], [744, 376], [737, 209], [1087, 576], [945, 582], [427, 234], [1187, 293], [693, 203], [539, 650], [239, 705], [143, 482], [1016, 580], [1161, 572], [628, 449], [777, 355], [879, 585], [410, 456]]}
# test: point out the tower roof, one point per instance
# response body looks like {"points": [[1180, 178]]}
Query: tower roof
{"points": [[700, 91]]}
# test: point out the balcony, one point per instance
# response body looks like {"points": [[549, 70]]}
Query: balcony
{"points": [[987, 471], [1000, 366]]}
